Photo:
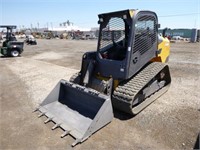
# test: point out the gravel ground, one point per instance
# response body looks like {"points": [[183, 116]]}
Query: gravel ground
{"points": [[171, 122]]}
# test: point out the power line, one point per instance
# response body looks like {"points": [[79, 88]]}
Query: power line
{"points": [[180, 15]]}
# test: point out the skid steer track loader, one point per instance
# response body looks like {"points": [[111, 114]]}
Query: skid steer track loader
{"points": [[127, 72]]}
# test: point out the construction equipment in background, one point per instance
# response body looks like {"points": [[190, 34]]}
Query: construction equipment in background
{"points": [[127, 73], [30, 40], [164, 33], [198, 35], [11, 47], [49, 34]]}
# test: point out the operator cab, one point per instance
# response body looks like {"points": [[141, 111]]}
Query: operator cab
{"points": [[127, 41]]}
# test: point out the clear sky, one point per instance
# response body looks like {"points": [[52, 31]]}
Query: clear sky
{"points": [[83, 13]]}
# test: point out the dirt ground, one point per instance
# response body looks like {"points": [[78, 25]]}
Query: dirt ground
{"points": [[171, 122]]}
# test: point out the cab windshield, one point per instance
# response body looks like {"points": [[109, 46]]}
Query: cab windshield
{"points": [[114, 38]]}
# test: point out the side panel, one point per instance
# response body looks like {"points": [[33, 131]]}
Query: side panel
{"points": [[144, 39], [110, 68], [163, 51]]}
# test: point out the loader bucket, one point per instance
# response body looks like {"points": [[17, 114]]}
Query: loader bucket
{"points": [[78, 110]]}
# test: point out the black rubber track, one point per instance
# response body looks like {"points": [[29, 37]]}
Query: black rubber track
{"points": [[75, 78], [124, 95]]}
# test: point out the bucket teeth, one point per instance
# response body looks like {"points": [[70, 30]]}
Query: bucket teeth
{"points": [[76, 142], [49, 119], [36, 109], [40, 115], [55, 126], [64, 134]]}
